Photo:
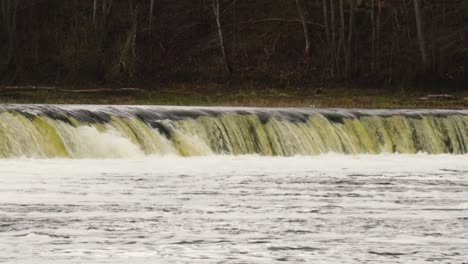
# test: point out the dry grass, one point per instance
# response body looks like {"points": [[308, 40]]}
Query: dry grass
{"points": [[214, 95]]}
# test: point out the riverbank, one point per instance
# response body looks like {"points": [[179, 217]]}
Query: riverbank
{"points": [[225, 95]]}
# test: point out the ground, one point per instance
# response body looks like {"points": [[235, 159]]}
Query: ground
{"points": [[225, 95]]}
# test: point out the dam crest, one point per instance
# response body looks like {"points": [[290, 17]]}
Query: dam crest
{"points": [[75, 131]]}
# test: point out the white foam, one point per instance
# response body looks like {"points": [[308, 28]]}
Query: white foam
{"points": [[322, 209]]}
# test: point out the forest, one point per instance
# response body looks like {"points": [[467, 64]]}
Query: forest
{"points": [[300, 42]]}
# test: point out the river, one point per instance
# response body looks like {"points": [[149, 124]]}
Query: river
{"points": [[148, 184], [245, 209]]}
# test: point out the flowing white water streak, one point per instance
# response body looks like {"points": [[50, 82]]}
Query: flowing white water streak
{"points": [[247, 209], [124, 131]]}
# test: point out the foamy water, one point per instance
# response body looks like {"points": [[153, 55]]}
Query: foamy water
{"points": [[247, 209], [94, 132]]}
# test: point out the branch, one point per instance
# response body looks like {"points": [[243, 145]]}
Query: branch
{"points": [[267, 20]]}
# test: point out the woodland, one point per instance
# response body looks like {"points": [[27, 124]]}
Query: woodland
{"points": [[282, 42]]}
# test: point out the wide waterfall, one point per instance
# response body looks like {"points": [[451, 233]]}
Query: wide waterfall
{"points": [[44, 131]]}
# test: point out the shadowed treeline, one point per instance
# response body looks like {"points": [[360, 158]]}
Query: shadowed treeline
{"points": [[375, 42]]}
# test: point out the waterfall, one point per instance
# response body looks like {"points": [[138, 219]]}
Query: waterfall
{"points": [[46, 131]]}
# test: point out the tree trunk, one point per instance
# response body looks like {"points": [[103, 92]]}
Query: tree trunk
{"points": [[334, 49], [377, 39], [325, 20], [9, 10], [328, 35], [342, 42], [234, 26], [349, 49], [151, 16], [217, 13], [373, 27], [94, 12], [106, 8], [421, 38], [305, 27]]}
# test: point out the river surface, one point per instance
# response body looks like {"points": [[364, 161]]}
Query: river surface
{"points": [[246, 209]]}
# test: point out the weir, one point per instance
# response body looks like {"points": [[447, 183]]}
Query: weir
{"points": [[48, 131]]}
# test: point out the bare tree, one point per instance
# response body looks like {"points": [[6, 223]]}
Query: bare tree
{"points": [[105, 6], [9, 10], [374, 37], [421, 37], [341, 48], [235, 27], [128, 55], [95, 4], [325, 19], [217, 13], [331, 25], [348, 49], [305, 27], [151, 15]]}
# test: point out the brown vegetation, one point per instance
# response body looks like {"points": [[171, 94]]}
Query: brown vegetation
{"points": [[301, 43]]}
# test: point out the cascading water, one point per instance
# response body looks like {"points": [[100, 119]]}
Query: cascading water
{"points": [[44, 131], [145, 203]]}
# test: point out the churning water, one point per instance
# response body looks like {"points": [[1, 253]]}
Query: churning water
{"points": [[325, 209], [61, 202]]}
